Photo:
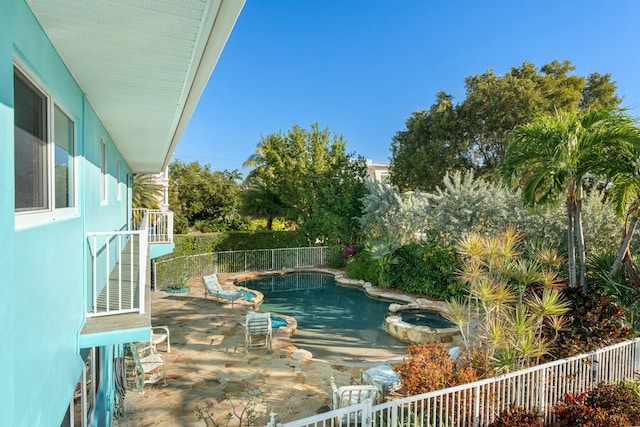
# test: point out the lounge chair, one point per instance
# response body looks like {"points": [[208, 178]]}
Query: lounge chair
{"points": [[352, 394], [214, 289], [258, 331], [152, 364]]}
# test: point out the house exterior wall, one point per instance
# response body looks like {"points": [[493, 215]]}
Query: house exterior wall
{"points": [[44, 265]]}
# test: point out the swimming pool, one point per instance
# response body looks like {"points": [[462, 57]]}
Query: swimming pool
{"points": [[338, 316]]}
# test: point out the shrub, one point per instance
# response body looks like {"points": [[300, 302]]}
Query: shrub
{"points": [[607, 405], [515, 416], [429, 367], [360, 267], [192, 244], [596, 322], [427, 268]]}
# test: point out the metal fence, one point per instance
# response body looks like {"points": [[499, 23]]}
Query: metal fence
{"points": [[171, 271], [536, 389]]}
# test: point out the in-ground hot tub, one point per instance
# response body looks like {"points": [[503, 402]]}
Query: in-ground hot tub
{"points": [[420, 322]]}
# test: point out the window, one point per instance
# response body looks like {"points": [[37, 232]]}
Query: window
{"points": [[64, 155], [44, 154], [103, 171], [31, 174]]}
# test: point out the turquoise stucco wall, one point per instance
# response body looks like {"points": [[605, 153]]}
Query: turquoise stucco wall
{"points": [[7, 305], [43, 267]]}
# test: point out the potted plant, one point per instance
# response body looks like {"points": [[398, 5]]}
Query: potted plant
{"points": [[179, 287]]}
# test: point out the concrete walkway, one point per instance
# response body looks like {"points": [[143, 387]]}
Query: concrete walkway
{"points": [[208, 365]]}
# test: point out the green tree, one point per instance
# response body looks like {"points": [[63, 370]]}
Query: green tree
{"points": [[197, 193], [430, 146], [551, 156], [475, 131], [318, 184]]}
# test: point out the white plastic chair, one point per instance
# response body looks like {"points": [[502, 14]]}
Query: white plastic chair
{"points": [[153, 364], [159, 337], [258, 331], [352, 394]]}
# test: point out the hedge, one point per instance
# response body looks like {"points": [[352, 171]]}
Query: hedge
{"points": [[191, 244]]}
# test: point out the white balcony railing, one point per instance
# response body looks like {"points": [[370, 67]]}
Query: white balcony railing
{"points": [[160, 224], [117, 270]]}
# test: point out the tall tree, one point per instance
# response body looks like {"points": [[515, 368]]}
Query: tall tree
{"points": [[550, 157], [198, 193], [299, 166], [429, 147], [476, 130]]}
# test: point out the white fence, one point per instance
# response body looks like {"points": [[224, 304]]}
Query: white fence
{"points": [[168, 272], [536, 389], [117, 270]]}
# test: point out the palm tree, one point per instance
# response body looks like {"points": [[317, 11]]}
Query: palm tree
{"points": [[258, 200], [551, 156], [145, 192], [626, 194]]}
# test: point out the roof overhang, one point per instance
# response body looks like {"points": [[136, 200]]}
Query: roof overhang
{"points": [[141, 64]]}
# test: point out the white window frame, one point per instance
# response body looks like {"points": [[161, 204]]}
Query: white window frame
{"points": [[34, 217], [118, 180], [104, 193]]}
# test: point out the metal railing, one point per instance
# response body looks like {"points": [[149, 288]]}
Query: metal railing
{"points": [[160, 224], [536, 389], [170, 271], [117, 270]]}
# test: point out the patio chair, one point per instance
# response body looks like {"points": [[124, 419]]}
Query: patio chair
{"points": [[258, 331], [152, 364], [159, 337], [352, 394], [214, 289]]}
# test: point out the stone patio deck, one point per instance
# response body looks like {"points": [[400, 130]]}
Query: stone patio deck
{"points": [[208, 362]]}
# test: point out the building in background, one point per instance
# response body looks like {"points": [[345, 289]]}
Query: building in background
{"points": [[90, 94], [378, 172]]}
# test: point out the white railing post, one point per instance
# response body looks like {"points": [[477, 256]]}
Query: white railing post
{"points": [[107, 267], [170, 226], [476, 406], [143, 247], [95, 274], [367, 413]]}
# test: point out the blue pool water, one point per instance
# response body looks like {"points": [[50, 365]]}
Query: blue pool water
{"points": [[317, 302], [335, 323]]}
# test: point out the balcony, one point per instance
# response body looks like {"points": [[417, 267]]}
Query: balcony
{"points": [[118, 265]]}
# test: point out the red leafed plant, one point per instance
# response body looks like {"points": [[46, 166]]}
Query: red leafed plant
{"points": [[515, 416], [429, 367]]}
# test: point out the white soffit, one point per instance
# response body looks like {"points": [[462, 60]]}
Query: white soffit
{"points": [[142, 64]]}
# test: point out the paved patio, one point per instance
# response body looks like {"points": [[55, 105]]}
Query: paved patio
{"points": [[208, 363]]}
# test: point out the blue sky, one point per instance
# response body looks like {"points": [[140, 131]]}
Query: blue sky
{"points": [[361, 68]]}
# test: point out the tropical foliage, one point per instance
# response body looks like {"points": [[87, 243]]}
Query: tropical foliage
{"points": [[429, 367], [198, 195], [466, 203], [550, 157], [512, 298], [307, 177], [474, 132], [145, 192]]}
